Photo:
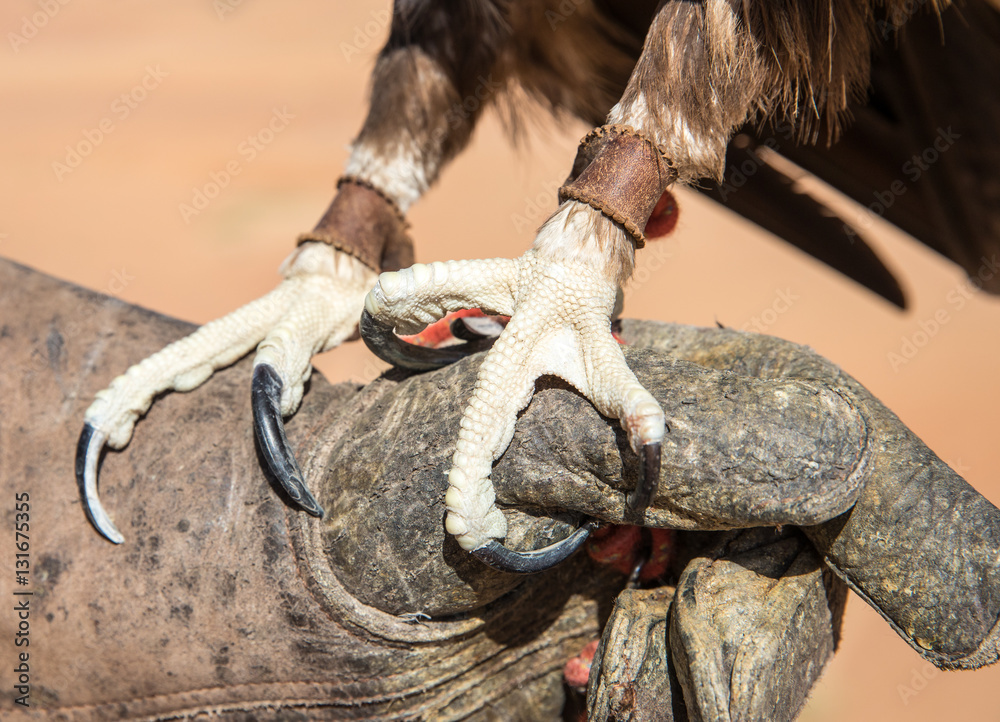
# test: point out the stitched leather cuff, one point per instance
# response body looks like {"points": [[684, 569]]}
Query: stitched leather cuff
{"points": [[365, 223], [622, 174]]}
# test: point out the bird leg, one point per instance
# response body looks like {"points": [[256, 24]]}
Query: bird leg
{"points": [[367, 225], [560, 297], [408, 136], [315, 308]]}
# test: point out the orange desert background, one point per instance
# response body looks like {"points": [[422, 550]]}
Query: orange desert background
{"points": [[171, 94]]}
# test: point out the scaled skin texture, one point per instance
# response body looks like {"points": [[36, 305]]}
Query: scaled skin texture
{"points": [[313, 310], [560, 325]]}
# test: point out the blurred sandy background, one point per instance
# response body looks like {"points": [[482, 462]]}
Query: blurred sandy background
{"points": [[216, 73]]}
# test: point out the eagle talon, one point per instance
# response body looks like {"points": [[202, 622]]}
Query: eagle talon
{"points": [[382, 341], [477, 328], [500, 557], [649, 478], [270, 432], [88, 454]]}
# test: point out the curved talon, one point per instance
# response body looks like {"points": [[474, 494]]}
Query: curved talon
{"points": [[88, 453], [500, 557], [476, 328], [649, 478], [384, 343], [270, 431]]}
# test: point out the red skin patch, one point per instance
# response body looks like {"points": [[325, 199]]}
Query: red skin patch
{"points": [[660, 555], [620, 547], [439, 332], [577, 670], [663, 218], [615, 546]]}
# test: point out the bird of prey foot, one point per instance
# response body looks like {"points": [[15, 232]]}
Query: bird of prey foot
{"points": [[314, 309], [560, 312]]}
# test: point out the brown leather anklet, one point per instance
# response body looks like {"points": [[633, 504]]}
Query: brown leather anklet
{"points": [[365, 223], [621, 173]]}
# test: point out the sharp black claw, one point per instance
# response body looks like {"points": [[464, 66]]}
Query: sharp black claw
{"points": [[384, 343], [267, 424], [476, 328], [500, 557], [649, 478], [88, 453]]}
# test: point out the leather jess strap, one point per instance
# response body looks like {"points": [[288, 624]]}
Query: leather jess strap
{"points": [[365, 223], [622, 174]]}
